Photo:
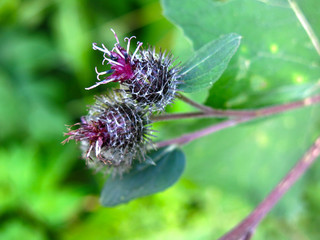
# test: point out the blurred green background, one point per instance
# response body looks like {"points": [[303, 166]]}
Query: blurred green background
{"points": [[46, 192]]}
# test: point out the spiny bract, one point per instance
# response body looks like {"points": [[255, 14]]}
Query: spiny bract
{"points": [[149, 77], [113, 134]]}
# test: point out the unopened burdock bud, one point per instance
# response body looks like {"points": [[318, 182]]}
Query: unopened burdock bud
{"points": [[113, 134]]}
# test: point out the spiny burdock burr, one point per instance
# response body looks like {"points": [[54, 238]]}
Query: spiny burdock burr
{"points": [[150, 78], [114, 133]]}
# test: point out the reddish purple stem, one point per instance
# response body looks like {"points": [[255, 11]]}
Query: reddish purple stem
{"points": [[241, 116], [246, 228], [220, 113], [248, 225]]}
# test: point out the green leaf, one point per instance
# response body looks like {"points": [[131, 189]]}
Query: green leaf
{"points": [[15, 228], [275, 63], [275, 50], [207, 64], [145, 178]]}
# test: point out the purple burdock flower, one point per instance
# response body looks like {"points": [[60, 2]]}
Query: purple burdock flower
{"points": [[113, 134], [150, 78], [122, 63]]}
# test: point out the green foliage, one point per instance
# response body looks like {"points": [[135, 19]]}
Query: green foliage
{"points": [[207, 64], [29, 186], [16, 229], [275, 59], [276, 62], [162, 169], [46, 60]]}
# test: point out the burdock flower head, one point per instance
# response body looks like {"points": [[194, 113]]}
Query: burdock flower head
{"points": [[150, 78], [114, 132]]}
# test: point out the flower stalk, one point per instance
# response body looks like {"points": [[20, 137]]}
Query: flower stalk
{"points": [[238, 117], [246, 228]]}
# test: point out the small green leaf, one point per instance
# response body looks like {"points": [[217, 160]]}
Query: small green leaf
{"points": [[145, 179], [208, 63]]}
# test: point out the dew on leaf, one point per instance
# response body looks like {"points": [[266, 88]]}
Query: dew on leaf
{"points": [[274, 48], [262, 138], [298, 78]]}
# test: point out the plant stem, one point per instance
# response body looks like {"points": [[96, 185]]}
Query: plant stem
{"points": [[201, 107], [241, 113], [248, 225], [305, 24], [203, 132], [245, 118], [177, 116]]}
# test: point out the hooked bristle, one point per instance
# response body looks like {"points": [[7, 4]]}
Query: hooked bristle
{"points": [[114, 133], [156, 79]]}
